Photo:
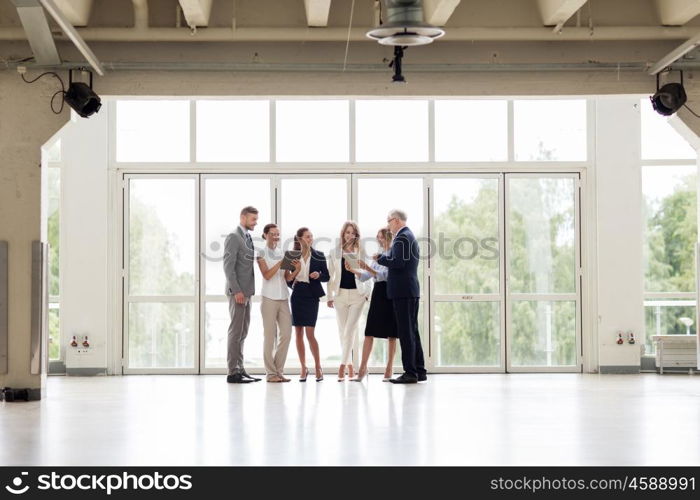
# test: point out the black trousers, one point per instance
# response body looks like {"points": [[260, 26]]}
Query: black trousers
{"points": [[406, 314]]}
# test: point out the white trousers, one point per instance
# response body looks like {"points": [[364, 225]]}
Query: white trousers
{"points": [[348, 309]]}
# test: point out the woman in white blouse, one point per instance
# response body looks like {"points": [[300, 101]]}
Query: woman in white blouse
{"points": [[277, 319], [347, 294], [380, 318]]}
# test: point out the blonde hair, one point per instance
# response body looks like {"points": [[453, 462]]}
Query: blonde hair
{"points": [[387, 234]]}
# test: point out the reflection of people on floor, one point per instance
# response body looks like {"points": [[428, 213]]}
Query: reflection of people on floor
{"points": [[305, 280]]}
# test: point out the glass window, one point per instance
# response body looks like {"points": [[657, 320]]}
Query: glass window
{"points": [[233, 131], [669, 250], [153, 131], [391, 131], [471, 130], [161, 335], [319, 204], [468, 333], [466, 232], [550, 130], [54, 331], [53, 230], [542, 235], [377, 196], [671, 229], [216, 323], [53, 153], [660, 141], [162, 236], [543, 333], [313, 131], [223, 200]]}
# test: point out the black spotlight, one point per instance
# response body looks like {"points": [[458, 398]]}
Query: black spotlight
{"points": [[669, 98], [81, 97]]}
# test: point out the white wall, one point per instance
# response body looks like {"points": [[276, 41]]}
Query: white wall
{"points": [[620, 232], [83, 245]]}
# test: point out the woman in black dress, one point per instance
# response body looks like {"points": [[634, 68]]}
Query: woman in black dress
{"points": [[380, 318], [310, 271]]}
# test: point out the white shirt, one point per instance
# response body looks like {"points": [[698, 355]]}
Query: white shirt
{"points": [[275, 288], [304, 271]]}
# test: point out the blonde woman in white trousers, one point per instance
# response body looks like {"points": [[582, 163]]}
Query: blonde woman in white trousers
{"points": [[348, 295]]}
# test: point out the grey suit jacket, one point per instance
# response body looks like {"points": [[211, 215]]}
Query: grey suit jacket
{"points": [[238, 264]]}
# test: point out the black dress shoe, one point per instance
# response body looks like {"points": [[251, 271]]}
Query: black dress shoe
{"points": [[404, 379], [422, 377], [237, 379], [252, 379]]}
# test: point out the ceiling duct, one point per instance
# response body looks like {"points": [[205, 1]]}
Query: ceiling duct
{"points": [[404, 25]]}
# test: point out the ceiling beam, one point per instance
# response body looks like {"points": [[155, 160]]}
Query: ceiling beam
{"points": [[677, 12], [317, 12], [73, 35], [339, 34], [437, 12], [140, 14], [674, 55], [196, 12], [557, 12], [37, 31], [76, 11]]}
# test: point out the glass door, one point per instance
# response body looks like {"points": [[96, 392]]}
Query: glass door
{"points": [[466, 273], [543, 272], [374, 197], [223, 197], [161, 276], [322, 204]]}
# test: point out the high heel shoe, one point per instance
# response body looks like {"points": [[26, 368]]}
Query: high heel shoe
{"points": [[360, 376], [318, 379], [305, 373]]}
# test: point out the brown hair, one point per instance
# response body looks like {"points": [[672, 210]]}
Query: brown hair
{"points": [[297, 237], [267, 228], [249, 210], [356, 243]]}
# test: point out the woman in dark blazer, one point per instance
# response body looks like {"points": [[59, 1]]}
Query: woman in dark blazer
{"points": [[305, 280]]}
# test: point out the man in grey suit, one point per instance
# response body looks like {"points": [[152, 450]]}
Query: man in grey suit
{"points": [[239, 257]]}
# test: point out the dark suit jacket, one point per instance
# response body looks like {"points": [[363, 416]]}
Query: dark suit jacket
{"points": [[402, 261], [314, 288]]}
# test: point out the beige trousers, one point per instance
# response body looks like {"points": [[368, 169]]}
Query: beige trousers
{"points": [[277, 332]]}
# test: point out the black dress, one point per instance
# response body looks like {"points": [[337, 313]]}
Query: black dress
{"points": [[380, 318]]}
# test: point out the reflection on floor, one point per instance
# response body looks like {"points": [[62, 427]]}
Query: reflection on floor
{"points": [[524, 419]]}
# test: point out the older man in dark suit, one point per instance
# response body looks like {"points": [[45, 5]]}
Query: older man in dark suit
{"points": [[404, 291]]}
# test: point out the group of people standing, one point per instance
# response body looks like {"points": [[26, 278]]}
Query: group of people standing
{"points": [[393, 300]]}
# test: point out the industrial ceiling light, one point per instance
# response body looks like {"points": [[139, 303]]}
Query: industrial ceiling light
{"points": [[669, 98], [81, 97], [405, 26]]}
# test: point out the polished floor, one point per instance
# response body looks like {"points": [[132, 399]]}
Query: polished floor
{"points": [[523, 419]]}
